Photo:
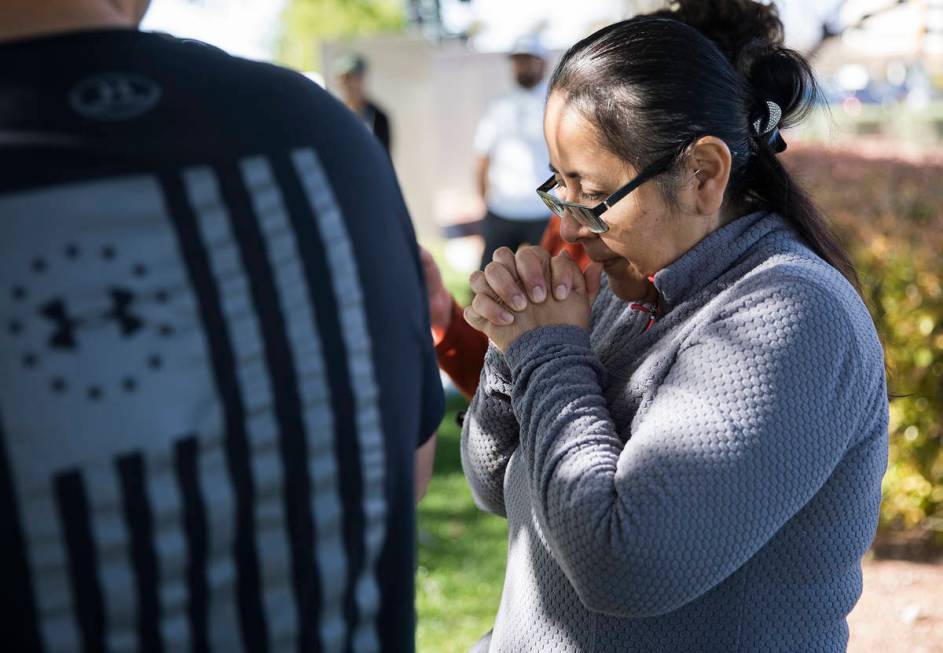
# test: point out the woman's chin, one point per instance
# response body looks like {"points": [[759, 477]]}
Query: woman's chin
{"points": [[625, 281], [615, 263], [617, 267]]}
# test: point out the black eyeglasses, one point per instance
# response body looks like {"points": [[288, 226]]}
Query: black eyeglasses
{"points": [[591, 216]]}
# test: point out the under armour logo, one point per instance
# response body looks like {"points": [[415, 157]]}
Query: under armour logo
{"points": [[121, 300], [51, 325], [64, 336], [111, 97], [66, 325]]}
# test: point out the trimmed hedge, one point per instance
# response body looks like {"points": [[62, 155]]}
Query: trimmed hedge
{"points": [[889, 212]]}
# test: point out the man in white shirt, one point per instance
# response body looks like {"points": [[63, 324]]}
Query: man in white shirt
{"points": [[512, 156]]}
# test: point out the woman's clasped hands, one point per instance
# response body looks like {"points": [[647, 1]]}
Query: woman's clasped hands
{"points": [[519, 292]]}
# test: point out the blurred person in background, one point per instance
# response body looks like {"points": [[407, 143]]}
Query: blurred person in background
{"points": [[688, 448], [212, 431], [351, 72], [512, 156]]}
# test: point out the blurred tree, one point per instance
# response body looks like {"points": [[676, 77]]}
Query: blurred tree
{"points": [[427, 15], [306, 23]]}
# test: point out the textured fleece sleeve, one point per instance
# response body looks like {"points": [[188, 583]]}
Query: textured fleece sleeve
{"points": [[490, 434], [753, 416]]}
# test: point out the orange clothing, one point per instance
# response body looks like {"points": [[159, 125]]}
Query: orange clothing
{"points": [[461, 349]]}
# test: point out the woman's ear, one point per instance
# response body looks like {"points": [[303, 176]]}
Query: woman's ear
{"points": [[709, 163]]}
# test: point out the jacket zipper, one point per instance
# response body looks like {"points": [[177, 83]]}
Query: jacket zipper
{"points": [[651, 309]]}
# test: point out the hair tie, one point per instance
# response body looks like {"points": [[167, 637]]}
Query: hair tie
{"points": [[771, 126]]}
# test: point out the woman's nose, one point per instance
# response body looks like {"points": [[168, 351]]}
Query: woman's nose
{"points": [[571, 230]]}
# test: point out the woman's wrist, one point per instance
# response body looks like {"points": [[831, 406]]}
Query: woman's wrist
{"points": [[539, 338]]}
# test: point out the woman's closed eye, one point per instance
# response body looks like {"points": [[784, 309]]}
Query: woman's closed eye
{"points": [[586, 196]]}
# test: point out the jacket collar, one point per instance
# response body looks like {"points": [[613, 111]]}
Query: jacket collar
{"points": [[713, 256]]}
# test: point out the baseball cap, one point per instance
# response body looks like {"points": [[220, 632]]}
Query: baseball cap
{"points": [[350, 63], [529, 44]]}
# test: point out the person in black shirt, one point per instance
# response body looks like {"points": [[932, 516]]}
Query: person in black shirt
{"points": [[351, 72], [216, 375]]}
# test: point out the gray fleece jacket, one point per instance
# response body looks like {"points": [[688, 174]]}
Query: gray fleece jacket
{"points": [[708, 484]]}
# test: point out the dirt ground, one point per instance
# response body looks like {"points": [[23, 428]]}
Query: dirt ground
{"points": [[901, 609]]}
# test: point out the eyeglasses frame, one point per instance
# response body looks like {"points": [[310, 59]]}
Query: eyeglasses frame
{"points": [[592, 215]]}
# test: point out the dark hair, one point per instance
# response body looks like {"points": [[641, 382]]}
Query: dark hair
{"points": [[653, 84]]}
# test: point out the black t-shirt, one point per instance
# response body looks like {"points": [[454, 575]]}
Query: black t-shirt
{"points": [[215, 362]]}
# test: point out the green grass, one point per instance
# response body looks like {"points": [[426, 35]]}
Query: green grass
{"points": [[456, 282], [462, 550], [462, 553]]}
